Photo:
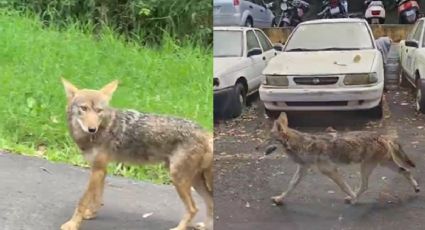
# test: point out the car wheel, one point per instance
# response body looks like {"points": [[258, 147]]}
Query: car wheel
{"points": [[402, 81], [239, 99], [420, 97], [273, 114], [378, 111], [249, 22]]}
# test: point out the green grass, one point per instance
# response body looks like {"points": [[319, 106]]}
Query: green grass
{"points": [[170, 79]]}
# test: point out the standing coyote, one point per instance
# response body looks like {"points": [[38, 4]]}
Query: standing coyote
{"points": [[106, 134], [327, 150]]}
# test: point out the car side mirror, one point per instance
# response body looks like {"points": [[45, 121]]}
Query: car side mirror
{"points": [[278, 47], [411, 44], [254, 52]]}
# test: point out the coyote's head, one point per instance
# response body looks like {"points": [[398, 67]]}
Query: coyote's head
{"points": [[87, 107], [277, 135]]}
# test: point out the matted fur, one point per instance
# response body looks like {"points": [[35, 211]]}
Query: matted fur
{"points": [[328, 150], [106, 134]]}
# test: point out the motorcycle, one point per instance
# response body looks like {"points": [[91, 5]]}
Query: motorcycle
{"points": [[292, 12], [334, 9], [375, 12], [408, 11]]}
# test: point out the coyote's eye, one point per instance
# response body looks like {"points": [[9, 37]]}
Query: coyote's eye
{"points": [[83, 108], [99, 110]]}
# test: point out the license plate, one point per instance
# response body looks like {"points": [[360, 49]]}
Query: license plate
{"points": [[334, 10], [375, 21], [410, 13]]}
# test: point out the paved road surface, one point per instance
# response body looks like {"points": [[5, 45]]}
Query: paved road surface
{"points": [[38, 195]]}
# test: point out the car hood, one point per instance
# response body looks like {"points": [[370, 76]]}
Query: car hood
{"points": [[321, 62], [223, 65]]}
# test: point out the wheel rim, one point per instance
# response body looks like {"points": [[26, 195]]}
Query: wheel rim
{"points": [[418, 99]]}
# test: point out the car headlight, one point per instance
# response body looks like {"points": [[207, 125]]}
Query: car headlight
{"points": [[360, 79], [278, 80], [216, 82]]}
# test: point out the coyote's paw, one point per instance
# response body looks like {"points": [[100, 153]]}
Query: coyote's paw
{"points": [[70, 225], [89, 214], [350, 200], [200, 226], [278, 200]]}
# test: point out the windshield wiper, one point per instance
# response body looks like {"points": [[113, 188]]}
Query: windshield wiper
{"points": [[299, 49], [339, 48]]}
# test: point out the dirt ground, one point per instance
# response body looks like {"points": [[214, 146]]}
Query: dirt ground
{"points": [[245, 180]]}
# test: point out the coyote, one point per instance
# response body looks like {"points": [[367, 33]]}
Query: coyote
{"points": [[328, 150], [105, 134]]}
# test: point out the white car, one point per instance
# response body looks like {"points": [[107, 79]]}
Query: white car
{"points": [[327, 64], [240, 55], [412, 59], [249, 13]]}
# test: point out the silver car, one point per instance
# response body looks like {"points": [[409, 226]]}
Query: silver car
{"points": [[249, 13]]}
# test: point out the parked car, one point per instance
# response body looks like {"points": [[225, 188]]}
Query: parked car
{"points": [[341, 69], [412, 59], [240, 55], [248, 13]]}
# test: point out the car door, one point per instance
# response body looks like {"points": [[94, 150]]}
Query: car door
{"points": [[410, 51], [268, 49], [255, 64]]}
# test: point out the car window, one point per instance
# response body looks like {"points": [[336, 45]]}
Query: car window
{"points": [[311, 37], [251, 40], [417, 35], [264, 41], [227, 43], [410, 35]]}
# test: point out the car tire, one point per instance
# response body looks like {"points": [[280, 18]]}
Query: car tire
{"points": [[239, 100], [420, 96], [273, 114], [378, 111], [402, 80], [249, 22]]}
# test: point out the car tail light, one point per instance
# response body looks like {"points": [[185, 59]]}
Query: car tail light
{"points": [[376, 12], [405, 6], [236, 2], [334, 3]]}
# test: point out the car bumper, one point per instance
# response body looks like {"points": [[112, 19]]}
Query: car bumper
{"points": [[321, 99], [227, 20], [223, 101]]}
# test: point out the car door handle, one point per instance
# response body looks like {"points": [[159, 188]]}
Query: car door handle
{"points": [[275, 53], [264, 58]]}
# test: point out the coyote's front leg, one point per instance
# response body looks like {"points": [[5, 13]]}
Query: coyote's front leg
{"points": [[296, 178], [91, 201]]}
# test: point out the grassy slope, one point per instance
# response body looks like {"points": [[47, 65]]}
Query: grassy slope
{"points": [[170, 80]]}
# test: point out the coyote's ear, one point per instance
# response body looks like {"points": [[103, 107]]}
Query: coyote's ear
{"points": [[110, 88], [70, 89], [283, 119]]}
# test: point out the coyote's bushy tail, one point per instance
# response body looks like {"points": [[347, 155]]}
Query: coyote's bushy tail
{"points": [[399, 156]]}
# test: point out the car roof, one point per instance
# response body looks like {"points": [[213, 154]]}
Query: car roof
{"points": [[333, 20], [234, 28]]}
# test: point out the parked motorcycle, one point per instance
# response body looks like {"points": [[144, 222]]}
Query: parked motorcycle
{"points": [[375, 12], [292, 12], [334, 9], [408, 11]]}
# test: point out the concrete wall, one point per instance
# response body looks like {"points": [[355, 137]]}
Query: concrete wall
{"points": [[395, 31]]}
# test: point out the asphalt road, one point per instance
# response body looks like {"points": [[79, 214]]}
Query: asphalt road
{"points": [[39, 195], [244, 182]]}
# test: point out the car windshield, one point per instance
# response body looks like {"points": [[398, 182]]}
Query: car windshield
{"points": [[227, 43], [330, 36]]}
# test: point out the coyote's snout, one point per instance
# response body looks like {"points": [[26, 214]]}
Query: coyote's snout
{"points": [[328, 150], [106, 134]]}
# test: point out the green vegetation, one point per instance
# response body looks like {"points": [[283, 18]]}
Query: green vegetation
{"points": [[170, 79], [143, 20]]}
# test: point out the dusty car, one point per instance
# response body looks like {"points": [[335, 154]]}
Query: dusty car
{"points": [[327, 64], [412, 58], [249, 13], [240, 55]]}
